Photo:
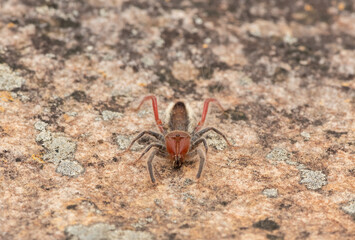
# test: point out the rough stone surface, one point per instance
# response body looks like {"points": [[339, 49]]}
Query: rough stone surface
{"points": [[44, 136], [72, 73], [109, 115], [69, 168], [103, 231], [270, 192], [349, 208], [8, 79], [59, 148], [306, 136], [40, 126], [123, 142], [216, 141], [278, 154], [313, 179]]}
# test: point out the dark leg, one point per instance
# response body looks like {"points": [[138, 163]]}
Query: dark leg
{"points": [[155, 110], [205, 130], [198, 142], [154, 134], [205, 110], [149, 164], [157, 145], [202, 162]]}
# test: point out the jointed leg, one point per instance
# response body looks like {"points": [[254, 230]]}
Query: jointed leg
{"points": [[205, 110], [198, 142], [154, 134], [149, 164], [202, 163], [155, 110], [157, 145], [205, 130]]}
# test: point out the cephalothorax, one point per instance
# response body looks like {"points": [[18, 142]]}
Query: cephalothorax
{"points": [[178, 140]]}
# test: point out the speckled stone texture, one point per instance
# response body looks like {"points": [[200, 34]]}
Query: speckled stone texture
{"points": [[71, 73]]}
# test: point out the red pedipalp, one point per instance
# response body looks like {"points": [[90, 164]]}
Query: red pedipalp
{"points": [[155, 109], [205, 110]]}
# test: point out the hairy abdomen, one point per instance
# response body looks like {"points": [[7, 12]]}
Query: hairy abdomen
{"points": [[179, 119]]}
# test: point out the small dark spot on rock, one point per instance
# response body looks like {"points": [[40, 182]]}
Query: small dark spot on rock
{"points": [[192, 38], [257, 72], [135, 68], [37, 3], [47, 188], [55, 103], [60, 129], [45, 44], [106, 202], [216, 87], [280, 75], [266, 224], [274, 237], [100, 141], [286, 204], [18, 160], [169, 36], [345, 89], [72, 207], [188, 181], [101, 164], [206, 72], [67, 23], [115, 159], [129, 33], [12, 58], [135, 3], [236, 114], [336, 134], [90, 78], [185, 226], [303, 235], [332, 151], [171, 236], [79, 96], [72, 51], [224, 203], [318, 122], [98, 186]]}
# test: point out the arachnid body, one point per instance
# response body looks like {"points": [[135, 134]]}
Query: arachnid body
{"points": [[177, 140]]}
